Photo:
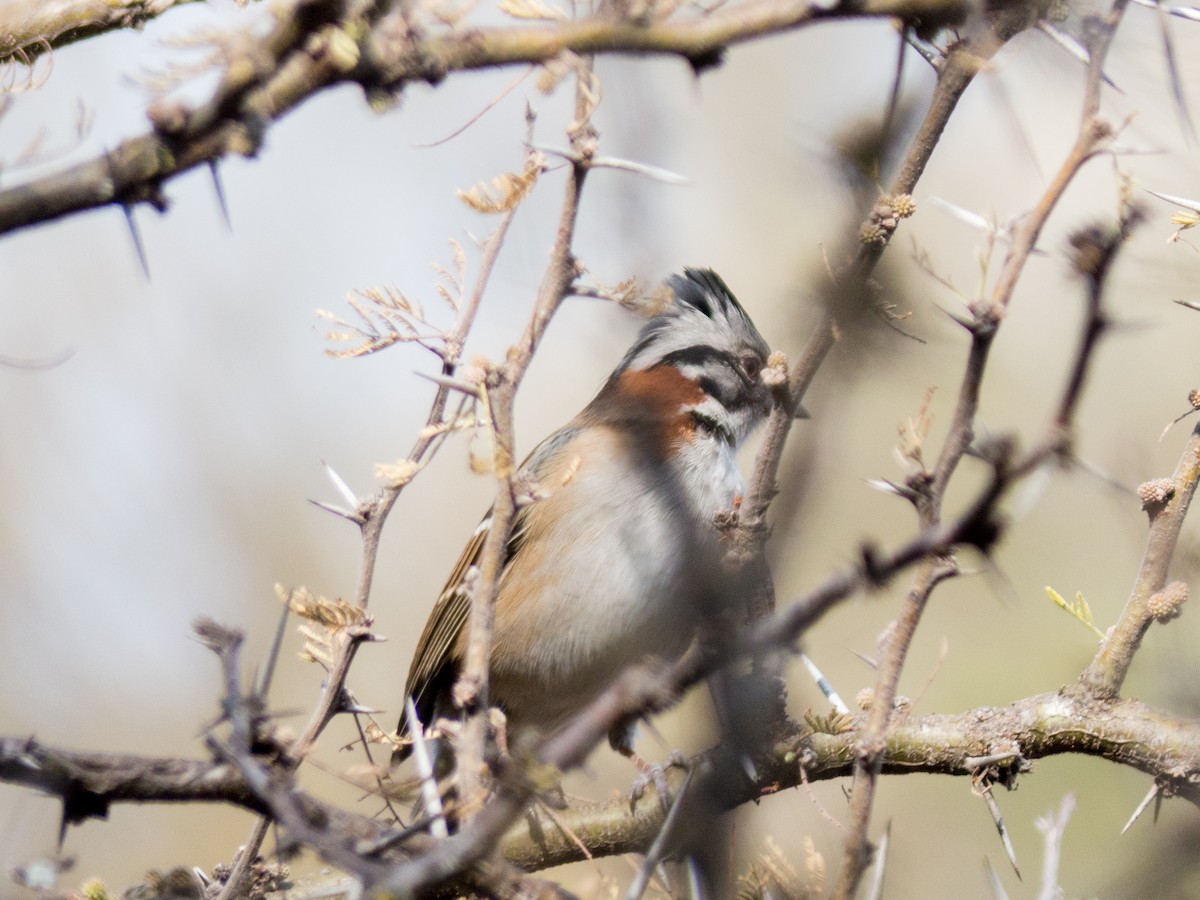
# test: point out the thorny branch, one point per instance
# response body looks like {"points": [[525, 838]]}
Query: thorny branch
{"points": [[1034, 728], [320, 43], [560, 274], [1106, 673], [1123, 731], [372, 513], [929, 487], [370, 516], [359, 845], [308, 51]]}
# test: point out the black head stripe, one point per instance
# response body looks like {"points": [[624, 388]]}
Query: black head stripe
{"points": [[719, 375], [700, 355]]}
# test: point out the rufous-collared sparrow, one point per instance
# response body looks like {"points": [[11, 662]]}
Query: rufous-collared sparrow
{"points": [[620, 558]]}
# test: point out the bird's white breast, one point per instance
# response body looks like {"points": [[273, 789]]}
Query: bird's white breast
{"points": [[607, 570]]}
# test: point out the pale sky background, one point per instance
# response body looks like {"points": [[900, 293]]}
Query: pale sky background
{"points": [[163, 470]]}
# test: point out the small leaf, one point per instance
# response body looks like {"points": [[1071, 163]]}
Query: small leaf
{"points": [[1079, 609]]}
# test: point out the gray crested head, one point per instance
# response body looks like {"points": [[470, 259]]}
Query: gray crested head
{"points": [[704, 313], [707, 335]]}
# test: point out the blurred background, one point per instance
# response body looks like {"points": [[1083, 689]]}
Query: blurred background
{"points": [[162, 469]]}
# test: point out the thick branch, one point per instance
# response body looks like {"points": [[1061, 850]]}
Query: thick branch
{"points": [[89, 782], [33, 27], [385, 55], [1124, 731]]}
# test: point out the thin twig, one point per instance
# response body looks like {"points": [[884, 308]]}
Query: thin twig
{"points": [[370, 517], [1106, 673], [471, 689], [1054, 828]]}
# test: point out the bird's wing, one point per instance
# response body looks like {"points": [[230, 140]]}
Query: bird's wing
{"points": [[435, 649], [437, 654]]}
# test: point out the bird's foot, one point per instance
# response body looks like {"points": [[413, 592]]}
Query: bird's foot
{"points": [[655, 774]]}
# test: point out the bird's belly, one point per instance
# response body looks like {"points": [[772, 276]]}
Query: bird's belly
{"points": [[572, 615], [592, 615]]}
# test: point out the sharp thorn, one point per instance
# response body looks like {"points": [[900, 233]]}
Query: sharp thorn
{"points": [[870, 661], [998, 891], [695, 878], [1181, 107], [1075, 49], [823, 683], [1185, 202], [430, 797], [138, 247], [879, 864], [966, 323], [338, 511], [268, 672], [749, 768], [1154, 791], [455, 384], [654, 173], [972, 219], [1002, 829], [219, 188], [340, 484], [569, 155]]}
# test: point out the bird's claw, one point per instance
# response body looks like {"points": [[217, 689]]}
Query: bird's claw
{"points": [[655, 774]]}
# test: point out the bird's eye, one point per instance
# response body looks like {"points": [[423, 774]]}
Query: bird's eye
{"points": [[751, 365]]}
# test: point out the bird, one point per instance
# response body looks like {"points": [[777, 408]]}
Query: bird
{"points": [[619, 558]]}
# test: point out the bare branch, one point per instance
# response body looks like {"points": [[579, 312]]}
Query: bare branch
{"points": [[312, 48], [930, 487], [561, 271], [89, 783], [29, 28], [1122, 731], [1106, 673]]}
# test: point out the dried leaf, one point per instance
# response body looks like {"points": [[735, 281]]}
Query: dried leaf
{"points": [[914, 431], [398, 474], [772, 875], [334, 614], [318, 647], [386, 316], [814, 866], [507, 190], [532, 9]]}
